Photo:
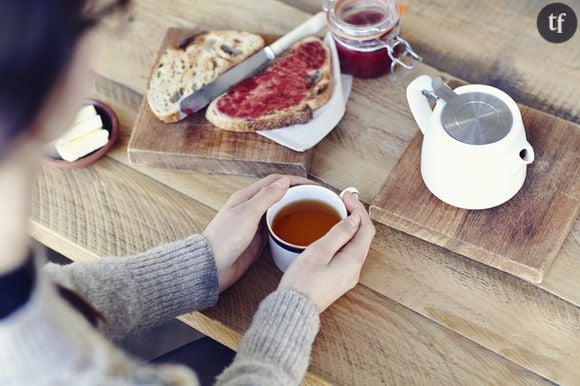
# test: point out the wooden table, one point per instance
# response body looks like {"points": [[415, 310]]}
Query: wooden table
{"points": [[421, 314]]}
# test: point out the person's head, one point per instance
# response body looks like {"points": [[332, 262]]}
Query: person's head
{"points": [[43, 77], [43, 65]]}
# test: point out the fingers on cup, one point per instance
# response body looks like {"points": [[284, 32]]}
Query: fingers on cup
{"points": [[353, 255], [248, 192], [297, 180], [266, 197], [326, 247], [353, 205], [355, 252], [352, 202]]}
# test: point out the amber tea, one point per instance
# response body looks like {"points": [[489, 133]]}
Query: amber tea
{"points": [[305, 221]]}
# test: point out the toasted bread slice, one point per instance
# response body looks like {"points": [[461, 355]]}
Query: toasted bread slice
{"points": [[285, 94], [196, 62]]}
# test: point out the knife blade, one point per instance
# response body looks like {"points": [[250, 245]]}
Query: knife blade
{"points": [[192, 103], [201, 98]]}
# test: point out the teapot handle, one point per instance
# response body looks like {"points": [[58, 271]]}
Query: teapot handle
{"points": [[526, 154], [417, 97]]}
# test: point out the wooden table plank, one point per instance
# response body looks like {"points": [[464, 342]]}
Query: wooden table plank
{"points": [[429, 280], [106, 209], [496, 43], [339, 158], [562, 279]]}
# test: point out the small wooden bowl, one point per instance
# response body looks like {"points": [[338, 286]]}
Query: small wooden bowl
{"points": [[110, 123]]}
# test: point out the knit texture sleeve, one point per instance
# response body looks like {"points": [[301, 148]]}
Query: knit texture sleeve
{"points": [[45, 342], [276, 348], [146, 289]]}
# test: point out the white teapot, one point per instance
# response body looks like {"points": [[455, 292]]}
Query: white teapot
{"points": [[475, 151]]}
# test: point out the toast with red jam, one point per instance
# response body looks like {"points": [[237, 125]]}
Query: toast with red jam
{"points": [[285, 94], [196, 61]]}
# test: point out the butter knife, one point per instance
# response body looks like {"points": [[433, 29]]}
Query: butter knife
{"points": [[192, 103]]}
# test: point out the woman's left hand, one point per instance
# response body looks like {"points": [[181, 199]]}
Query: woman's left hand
{"points": [[234, 234]]}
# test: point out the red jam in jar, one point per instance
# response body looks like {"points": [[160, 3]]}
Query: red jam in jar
{"points": [[364, 17], [367, 36]]}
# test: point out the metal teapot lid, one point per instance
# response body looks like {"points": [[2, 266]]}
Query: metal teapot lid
{"points": [[474, 118]]}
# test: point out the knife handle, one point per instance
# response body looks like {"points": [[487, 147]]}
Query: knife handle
{"points": [[310, 27]]}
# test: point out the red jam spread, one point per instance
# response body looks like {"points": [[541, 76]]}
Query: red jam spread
{"points": [[281, 86], [363, 64]]}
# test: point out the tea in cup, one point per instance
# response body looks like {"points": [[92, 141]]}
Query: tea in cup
{"points": [[302, 216]]}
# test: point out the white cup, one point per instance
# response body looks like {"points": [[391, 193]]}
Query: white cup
{"points": [[284, 253]]}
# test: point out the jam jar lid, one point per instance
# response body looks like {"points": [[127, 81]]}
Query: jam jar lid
{"points": [[362, 19]]}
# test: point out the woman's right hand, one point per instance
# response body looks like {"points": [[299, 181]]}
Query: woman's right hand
{"points": [[331, 266]]}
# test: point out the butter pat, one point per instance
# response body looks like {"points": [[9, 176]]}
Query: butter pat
{"points": [[85, 136], [85, 113], [82, 128], [83, 145]]}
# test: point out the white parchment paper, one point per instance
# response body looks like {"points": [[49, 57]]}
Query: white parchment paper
{"points": [[303, 137]]}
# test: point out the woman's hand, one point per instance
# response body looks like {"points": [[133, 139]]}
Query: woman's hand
{"points": [[234, 234], [331, 266]]}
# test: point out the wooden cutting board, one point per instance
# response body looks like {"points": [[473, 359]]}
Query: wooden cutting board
{"points": [[195, 144], [521, 236]]}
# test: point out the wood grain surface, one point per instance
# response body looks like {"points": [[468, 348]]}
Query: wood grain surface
{"points": [[112, 215], [450, 311], [522, 236], [196, 144], [425, 278]]}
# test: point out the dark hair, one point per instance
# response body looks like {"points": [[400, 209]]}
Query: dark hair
{"points": [[37, 41]]}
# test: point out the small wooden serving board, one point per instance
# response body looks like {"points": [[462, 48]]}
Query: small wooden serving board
{"points": [[195, 144], [522, 236]]}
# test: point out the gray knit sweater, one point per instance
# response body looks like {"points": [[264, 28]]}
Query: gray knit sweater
{"points": [[46, 342]]}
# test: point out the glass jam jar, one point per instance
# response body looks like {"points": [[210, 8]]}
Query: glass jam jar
{"points": [[367, 37]]}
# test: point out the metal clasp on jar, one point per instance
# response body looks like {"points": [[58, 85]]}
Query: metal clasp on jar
{"points": [[408, 51]]}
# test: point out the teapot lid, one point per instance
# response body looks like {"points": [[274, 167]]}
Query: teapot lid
{"points": [[476, 118]]}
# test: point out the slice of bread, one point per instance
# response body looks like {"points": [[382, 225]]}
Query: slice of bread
{"points": [[196, 62], [285, 94]]}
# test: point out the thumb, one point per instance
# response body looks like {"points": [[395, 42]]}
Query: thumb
{"points": [[266, 197]]}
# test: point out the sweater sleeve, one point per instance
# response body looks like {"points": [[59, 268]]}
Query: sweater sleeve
{"points": [[146, 289], [46, 342], [277, 346]]}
